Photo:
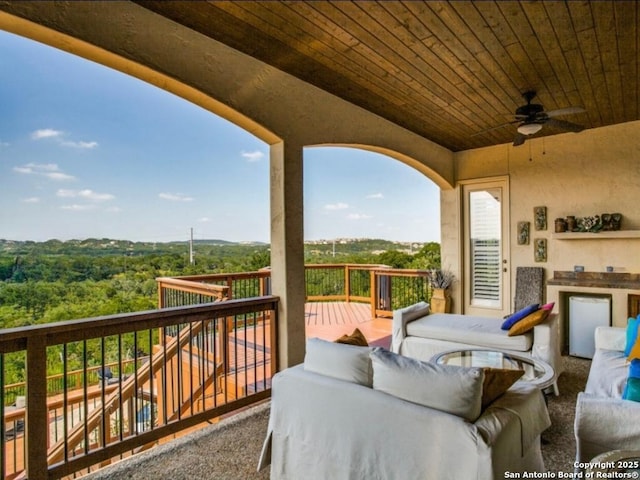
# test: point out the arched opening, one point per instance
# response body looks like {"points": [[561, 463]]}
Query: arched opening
{"points": [[94, 153], [357, 193]]}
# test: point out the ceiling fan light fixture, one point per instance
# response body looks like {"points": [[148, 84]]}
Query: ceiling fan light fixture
{"points": [[529, 128]]}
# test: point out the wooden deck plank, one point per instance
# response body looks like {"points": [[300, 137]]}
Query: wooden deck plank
{"points": [[330, 320]]}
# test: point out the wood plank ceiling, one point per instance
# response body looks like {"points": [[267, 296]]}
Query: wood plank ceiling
{"points": [[445, 70]]}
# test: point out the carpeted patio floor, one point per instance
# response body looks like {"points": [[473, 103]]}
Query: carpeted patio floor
{"points": [[230, 449]]}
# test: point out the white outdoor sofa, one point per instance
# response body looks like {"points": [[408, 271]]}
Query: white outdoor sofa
{"points": [[342, 415], [419, 334], [604, 421]]}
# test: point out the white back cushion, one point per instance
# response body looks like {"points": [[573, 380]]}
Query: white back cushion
{"points": [[448, 388]]}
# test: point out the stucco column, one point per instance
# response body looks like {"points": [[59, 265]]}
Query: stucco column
{"points": [[287, 250]]}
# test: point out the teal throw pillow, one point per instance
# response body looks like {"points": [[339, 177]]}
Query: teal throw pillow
{"points": [[632, 334], [511, 320], [632, 388]]}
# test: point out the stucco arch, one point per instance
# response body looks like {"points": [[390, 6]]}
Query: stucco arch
{"points": [[262, 100], [399, 156], [281, 110]]}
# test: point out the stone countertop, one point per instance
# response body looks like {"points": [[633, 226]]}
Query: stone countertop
{"points": [[629, 281]]}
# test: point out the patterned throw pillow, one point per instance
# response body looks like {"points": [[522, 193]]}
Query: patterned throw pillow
{"points": [[357, 338], [519, 315], [496, 382], [528, 322]]}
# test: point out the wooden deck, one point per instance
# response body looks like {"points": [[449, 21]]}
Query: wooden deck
{"points": [[249, 368], [330, 320]]}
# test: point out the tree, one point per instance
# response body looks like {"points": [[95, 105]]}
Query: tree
{"points": [[395, 259], [428, 257]]}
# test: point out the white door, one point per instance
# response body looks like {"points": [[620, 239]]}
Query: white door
{"points": [[486, 248]]}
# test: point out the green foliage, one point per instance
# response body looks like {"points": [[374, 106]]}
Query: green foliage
{"points": [[428, 257], [395, 259], [60, 281]]}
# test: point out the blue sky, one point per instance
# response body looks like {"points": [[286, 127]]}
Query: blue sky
{"points": [[86, 151]]}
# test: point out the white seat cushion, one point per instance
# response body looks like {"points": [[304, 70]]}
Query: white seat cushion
{"points": [[482, 332], [608, 374]]}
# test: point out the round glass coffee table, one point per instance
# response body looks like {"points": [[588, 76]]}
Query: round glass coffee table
{"points": [[536, 372], [615, 464]]}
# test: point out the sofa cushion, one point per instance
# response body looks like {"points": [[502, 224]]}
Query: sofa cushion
{"points": [[632, 334], [478, 331], [356, 338], [608, 374], [496, 382], [455, 390], [528, 322], [338, 360], [632, 388], [511, 320], [548, 306]]}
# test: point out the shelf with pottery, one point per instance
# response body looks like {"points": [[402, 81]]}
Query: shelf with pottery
{"points": [[613, 234]]}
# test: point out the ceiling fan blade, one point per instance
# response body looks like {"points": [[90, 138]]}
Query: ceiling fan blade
{"points": [[565, 111], [564, 125], [519, 139], [494, 128]]}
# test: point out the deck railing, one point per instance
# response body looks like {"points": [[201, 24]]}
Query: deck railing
{"points": [[209, 350], [384, 288], [169, 370]]}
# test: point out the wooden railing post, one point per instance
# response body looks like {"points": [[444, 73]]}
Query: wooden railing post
{"points": [[36, 428], [373, 280], [160, 294], [347, 283]]}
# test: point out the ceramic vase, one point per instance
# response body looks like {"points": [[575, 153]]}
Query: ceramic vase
{"points": [[440, 301]]}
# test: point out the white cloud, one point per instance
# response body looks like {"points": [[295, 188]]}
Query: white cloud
{"points": [[86, 194], [31, 200], [49, 170], [254, 156], [358, 216], [336, 206], [59, 176], [375, 195], [204, 220], [58, 134], [113, 209], [45, 133], [176, 197], [87, 145], [78, 208]]}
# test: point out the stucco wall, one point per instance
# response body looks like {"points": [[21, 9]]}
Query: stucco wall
{"points": [[592, 172]]}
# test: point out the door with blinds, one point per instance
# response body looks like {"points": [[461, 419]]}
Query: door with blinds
{"points": [[486, 248]]}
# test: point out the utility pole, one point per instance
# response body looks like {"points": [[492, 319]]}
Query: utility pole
{"points": [[191, 248]]}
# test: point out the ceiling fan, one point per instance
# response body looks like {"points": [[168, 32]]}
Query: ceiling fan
{"points": [[531, 117]]}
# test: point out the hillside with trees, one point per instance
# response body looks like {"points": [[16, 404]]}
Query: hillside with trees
{"points": [[42, 282]]}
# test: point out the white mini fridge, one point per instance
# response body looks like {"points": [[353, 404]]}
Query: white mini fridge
{"points": [[585, 314]]}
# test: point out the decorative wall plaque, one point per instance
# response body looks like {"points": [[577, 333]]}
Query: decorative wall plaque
{"points": [[540, 249], [540, 216], [523, 233]]}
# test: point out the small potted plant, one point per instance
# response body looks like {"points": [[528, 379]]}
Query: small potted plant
{"points": [[440, 281]]}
